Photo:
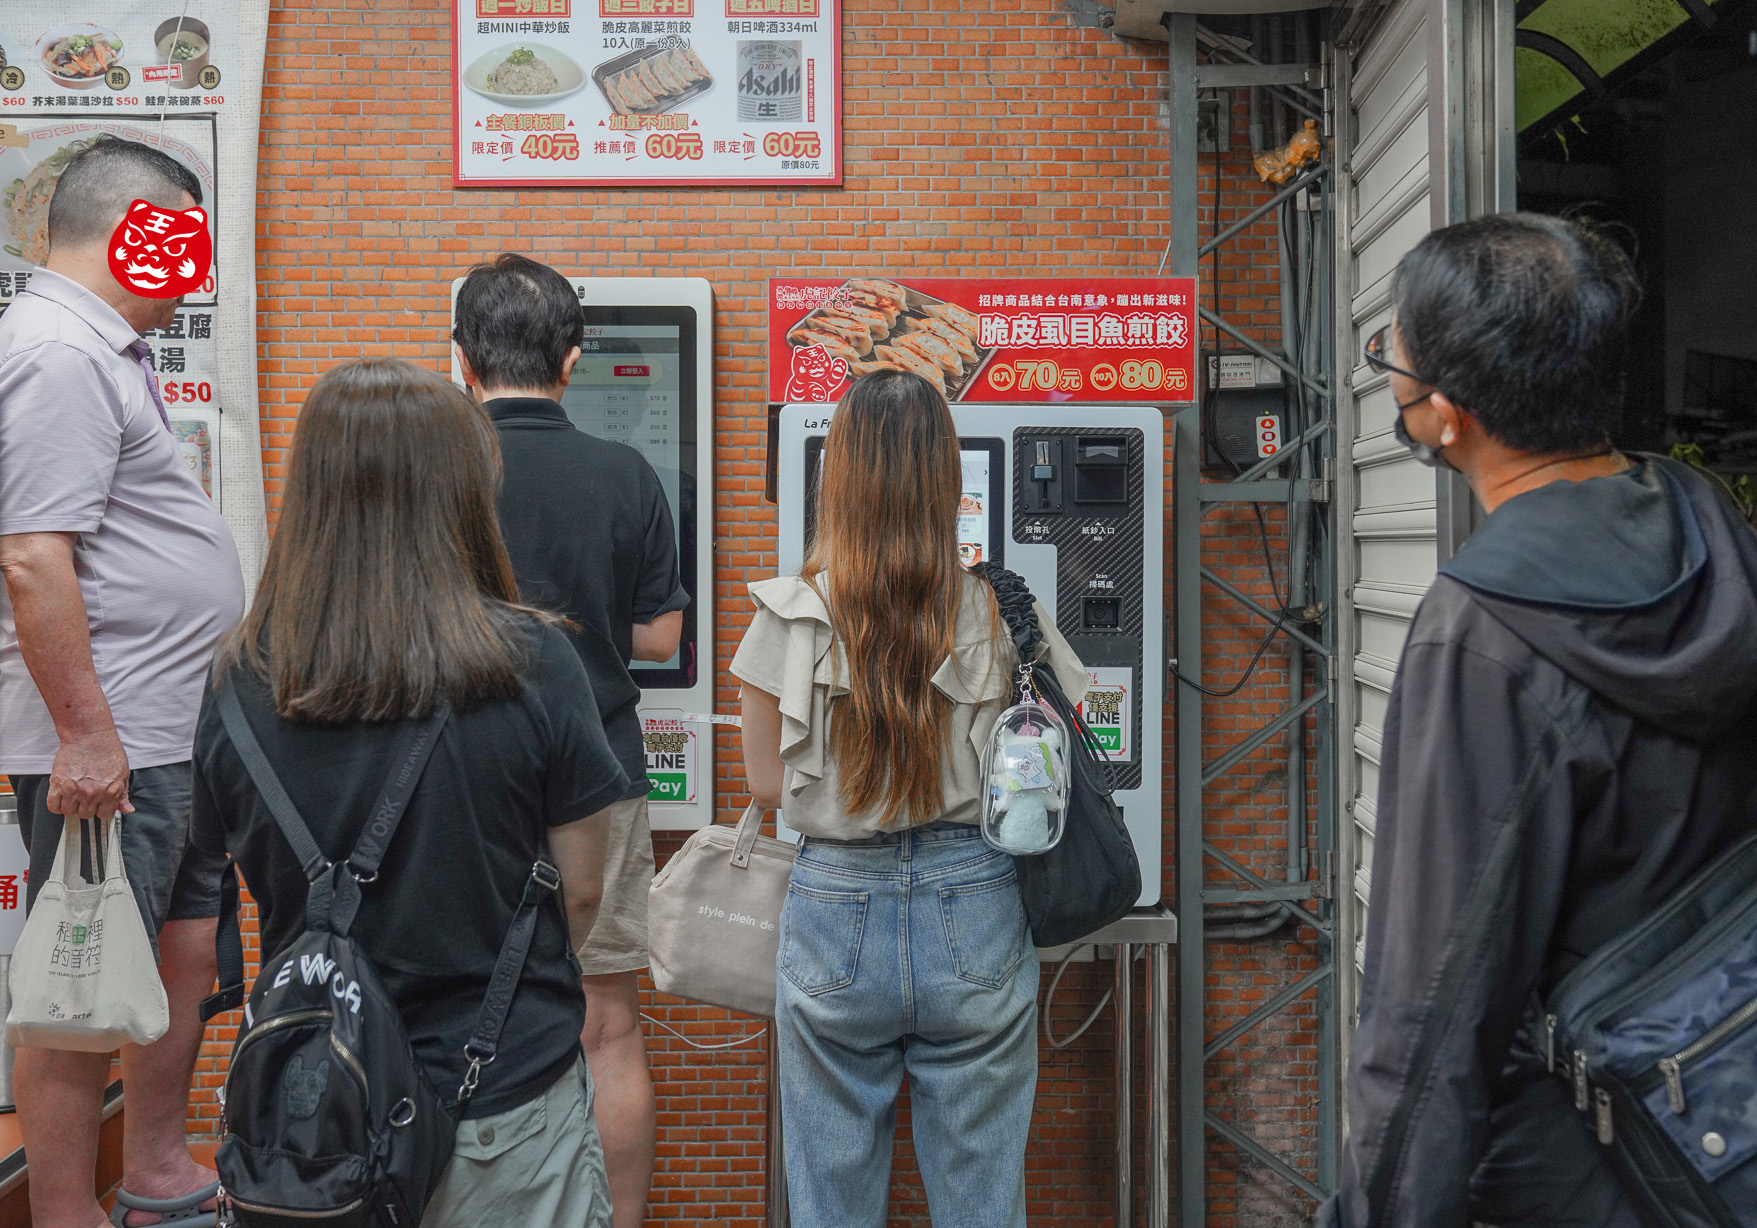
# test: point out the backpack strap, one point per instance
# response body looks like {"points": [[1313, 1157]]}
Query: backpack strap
{"points": [[228, 950], [229, 938], [274, 795], [334, 898], [362, 864], [484, 1042]]}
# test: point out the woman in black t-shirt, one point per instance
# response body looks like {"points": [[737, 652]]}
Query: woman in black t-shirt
{"points": [[387, 590]]}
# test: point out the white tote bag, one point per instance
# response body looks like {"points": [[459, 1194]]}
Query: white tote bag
{"points": [[83, 975], [714, 916]]}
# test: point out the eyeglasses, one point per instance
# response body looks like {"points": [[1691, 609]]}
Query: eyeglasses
{"points": [[1377, 347]]}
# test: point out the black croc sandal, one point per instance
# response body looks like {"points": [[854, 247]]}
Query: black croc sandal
{"points": [[184, 1212]]}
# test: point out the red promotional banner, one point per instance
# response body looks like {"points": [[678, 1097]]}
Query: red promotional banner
{"points": [[981, 339]]}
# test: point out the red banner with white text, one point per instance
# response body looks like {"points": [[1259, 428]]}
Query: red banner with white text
{"points": [[981, 339]]}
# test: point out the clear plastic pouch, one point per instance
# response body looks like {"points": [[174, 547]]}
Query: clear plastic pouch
{"points": [[1026, 766]]}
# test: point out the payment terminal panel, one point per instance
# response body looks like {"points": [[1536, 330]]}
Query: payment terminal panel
{"points": [[1072, 498], [645, 379]]}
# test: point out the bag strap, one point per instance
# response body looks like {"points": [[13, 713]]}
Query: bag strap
{"points": [[274, 795], [333, 899], [228, 950], [749, 827], [484, 1043], [1017, 608]]}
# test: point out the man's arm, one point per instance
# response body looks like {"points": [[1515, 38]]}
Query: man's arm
{"points": [[578, 849], [658, 640], [90, 773]]}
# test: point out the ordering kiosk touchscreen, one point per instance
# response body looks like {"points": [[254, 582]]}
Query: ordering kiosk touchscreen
{"points": [[645, 379]]}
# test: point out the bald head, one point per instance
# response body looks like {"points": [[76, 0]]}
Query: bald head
{"points": [[101, 182]]}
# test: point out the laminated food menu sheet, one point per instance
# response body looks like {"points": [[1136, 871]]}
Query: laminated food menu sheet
{"points": [[626, 93], [184, 77]]}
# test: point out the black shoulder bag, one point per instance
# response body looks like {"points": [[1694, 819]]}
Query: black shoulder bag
{"points": [[328, 1116], [1092, 877]]}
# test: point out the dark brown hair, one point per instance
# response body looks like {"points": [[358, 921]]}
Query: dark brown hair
{"points": [[387, 585], [887, 534]]}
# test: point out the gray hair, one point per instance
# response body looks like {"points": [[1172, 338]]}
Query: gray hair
{"points": [[103, 180]]}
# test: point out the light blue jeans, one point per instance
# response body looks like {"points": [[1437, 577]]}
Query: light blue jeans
{"points": [[906, 954]]}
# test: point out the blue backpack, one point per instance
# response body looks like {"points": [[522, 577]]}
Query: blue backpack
{"points": [[1655, 1034]]}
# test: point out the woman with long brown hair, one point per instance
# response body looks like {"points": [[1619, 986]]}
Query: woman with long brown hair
{"points": [[388, 593], [871, 682]]}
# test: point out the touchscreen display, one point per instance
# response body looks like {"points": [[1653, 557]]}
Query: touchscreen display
{"points": [[632, 385], [973, 508], [980, 512]]}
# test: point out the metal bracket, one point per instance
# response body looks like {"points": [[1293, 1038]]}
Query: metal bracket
{"points": [[1241, 76]]}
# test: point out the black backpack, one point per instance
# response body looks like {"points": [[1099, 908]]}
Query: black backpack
{"points": [[328, 1117], [1092, 876]]}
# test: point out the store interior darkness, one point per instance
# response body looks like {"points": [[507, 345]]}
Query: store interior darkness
{"points": [[1667, 146]]}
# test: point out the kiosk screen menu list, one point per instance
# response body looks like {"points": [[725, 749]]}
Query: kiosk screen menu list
{"points": [[634, 384]]}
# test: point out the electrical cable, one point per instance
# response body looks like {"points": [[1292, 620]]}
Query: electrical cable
{"points": [[731, 1044], [1213, 392], [1092, 1018]]}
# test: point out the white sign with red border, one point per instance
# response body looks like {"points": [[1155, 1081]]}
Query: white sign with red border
{"points": [[654, 93]]}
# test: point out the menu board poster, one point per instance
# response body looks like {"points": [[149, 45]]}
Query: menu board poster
{"points": [[646, 93], [982, 340], [169, 56], [34, 150]]}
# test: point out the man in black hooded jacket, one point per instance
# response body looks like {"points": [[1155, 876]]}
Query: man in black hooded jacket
{"points": [[1570, 737]]}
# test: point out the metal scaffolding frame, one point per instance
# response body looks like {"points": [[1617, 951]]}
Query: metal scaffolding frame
{"points": [[1308, 894]]}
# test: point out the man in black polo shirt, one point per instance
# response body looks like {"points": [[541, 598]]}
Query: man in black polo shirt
{"points": [[590, 536]]}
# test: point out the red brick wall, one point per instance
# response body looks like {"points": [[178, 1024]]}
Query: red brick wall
{"points": [[996, 138]]}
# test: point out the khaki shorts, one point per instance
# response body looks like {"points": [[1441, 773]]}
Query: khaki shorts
{"points": [[618, 942], [541, 1163]]}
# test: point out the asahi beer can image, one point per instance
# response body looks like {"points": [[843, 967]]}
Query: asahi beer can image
{"points": [[771, 82]]}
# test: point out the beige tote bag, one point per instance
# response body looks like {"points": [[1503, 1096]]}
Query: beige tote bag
{"points": [[83, 975], [714, 916]]}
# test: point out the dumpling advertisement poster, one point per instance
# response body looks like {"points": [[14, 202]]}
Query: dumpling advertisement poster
{"points": [[626, 93]]}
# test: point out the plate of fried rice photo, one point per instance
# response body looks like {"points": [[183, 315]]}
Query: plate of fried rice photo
{"points": [[524, 75]]}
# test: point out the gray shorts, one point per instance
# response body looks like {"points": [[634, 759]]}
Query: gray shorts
{"points": [[172, 880], [539, 1164], [618, 941]]}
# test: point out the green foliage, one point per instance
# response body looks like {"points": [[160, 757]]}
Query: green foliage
{"points": [[1741, 490]]}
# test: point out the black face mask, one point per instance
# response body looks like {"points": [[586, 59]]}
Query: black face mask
{"points": [[1426, 453]]}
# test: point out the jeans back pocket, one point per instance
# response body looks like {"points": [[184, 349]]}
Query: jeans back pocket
{"points": [[985, 928], [820, 937]]}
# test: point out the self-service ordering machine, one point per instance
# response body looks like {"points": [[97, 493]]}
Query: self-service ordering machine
{"points": [[1071, 498]]}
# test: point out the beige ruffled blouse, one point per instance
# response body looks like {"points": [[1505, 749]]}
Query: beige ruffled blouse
{"points": [[788, 652]]}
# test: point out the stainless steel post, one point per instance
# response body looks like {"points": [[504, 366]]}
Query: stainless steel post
{"points": [[1159, 1086], [775, 1163], [1123, 999]]}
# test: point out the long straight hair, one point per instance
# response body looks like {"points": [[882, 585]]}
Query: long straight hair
{"points": [[387, 586], [887, 536]]}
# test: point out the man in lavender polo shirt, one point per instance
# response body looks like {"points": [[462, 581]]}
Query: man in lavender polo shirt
{"points": [[120, 578]]}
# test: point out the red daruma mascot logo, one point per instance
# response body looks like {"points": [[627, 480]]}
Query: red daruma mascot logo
{"points": [[160, 254], [815, 374]]}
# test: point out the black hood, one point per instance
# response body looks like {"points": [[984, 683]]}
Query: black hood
{"points": [[1642, 586]]}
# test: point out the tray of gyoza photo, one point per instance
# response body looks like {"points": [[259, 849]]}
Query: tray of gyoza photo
{"points": [[875, 324]]}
